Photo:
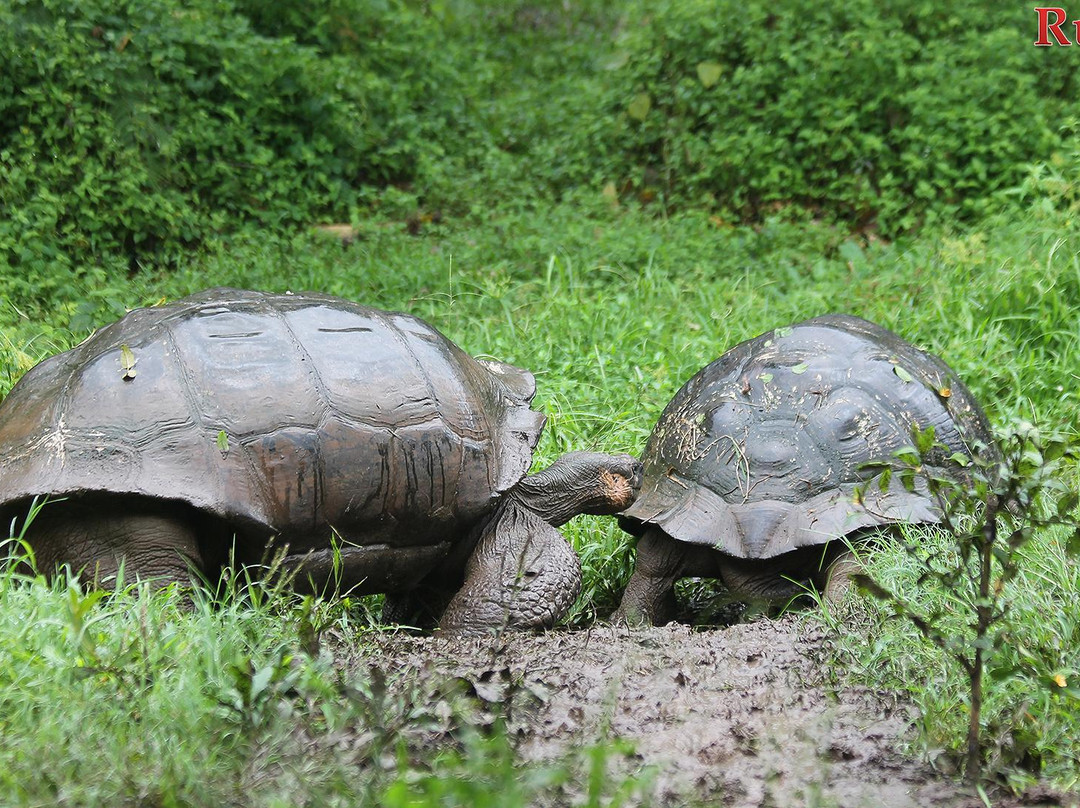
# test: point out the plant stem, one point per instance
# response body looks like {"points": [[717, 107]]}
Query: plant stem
{"points": [[984, 611]]}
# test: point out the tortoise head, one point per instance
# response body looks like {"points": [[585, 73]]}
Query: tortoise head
{"points": [[580, 482]]}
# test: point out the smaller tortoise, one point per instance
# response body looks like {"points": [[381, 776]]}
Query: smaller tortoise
{"points": [[752, 469], [233, 422]]}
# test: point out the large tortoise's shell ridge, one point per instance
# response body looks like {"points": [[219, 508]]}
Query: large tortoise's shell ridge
{"points": [[762, 451], [286, 413]]}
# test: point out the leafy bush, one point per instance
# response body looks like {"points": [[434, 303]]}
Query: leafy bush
{"points": [[137, 129], [989, 519], [883, 113]]}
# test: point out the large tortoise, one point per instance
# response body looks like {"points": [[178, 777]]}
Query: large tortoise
{"points": [[183, 433], [750, 474]]}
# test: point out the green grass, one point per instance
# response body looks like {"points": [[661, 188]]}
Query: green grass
{"points": [[142, 703], [131, 699], [1031, 715]]}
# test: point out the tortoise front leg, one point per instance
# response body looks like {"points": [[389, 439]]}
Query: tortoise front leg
{"points": [[649, 597], [153, 541], [835, 583], [522, 575]]}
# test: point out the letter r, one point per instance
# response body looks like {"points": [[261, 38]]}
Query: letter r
{"points": [[1046, 27]]}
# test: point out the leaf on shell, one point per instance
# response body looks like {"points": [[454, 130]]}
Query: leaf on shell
{"points": [[766, 377], [800, 368], [127, 362], [903, 374], [708, 73], [960, 459], [640, 106], [907, 479], [222, 442]]}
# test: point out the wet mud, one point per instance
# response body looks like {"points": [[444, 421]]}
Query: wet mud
{"points": [[743, 716]]}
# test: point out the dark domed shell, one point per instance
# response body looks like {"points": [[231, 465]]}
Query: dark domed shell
{"points": [[289, 413], [761, 452]]}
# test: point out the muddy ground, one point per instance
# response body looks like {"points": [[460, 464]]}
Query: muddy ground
{"points": [[733, 717]]}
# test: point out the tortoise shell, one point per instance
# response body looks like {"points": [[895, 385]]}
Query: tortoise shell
{"points": [[761, 452], [286, 414]]}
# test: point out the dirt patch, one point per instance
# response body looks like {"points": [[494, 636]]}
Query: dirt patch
{"points": [[734, 717]]}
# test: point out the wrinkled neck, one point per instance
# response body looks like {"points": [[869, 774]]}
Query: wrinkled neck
{"points": [[557, 495], [553, 504]]}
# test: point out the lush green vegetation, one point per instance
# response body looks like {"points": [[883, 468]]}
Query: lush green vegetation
{"points": [[507, 180], [887, 115], [128, 700]]}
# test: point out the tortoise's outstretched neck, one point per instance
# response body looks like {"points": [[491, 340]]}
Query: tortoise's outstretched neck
{"points": [[580, 482]]}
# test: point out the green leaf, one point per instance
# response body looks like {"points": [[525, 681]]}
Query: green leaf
{"points": [[708, 73], [1000, 674], [924, 438], [903, 374], [640, 106], [766, 377], [907, 455], [1055, 449], [1068, 502], [222, 442], [127, 362], [619, 60], [960, 459], [1072, 546], [907, 479], [261, 681], [851, 252], [884, 480], [800, 368]]}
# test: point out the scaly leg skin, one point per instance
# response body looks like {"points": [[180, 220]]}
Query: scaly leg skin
{"points": [[649, 598], [154, 542], [522, 575]]}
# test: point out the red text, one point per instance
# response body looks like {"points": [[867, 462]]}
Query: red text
{"points": [[1050, 21]]}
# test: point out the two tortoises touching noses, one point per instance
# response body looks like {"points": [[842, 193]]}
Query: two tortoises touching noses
{"points": [[379, 457]]}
